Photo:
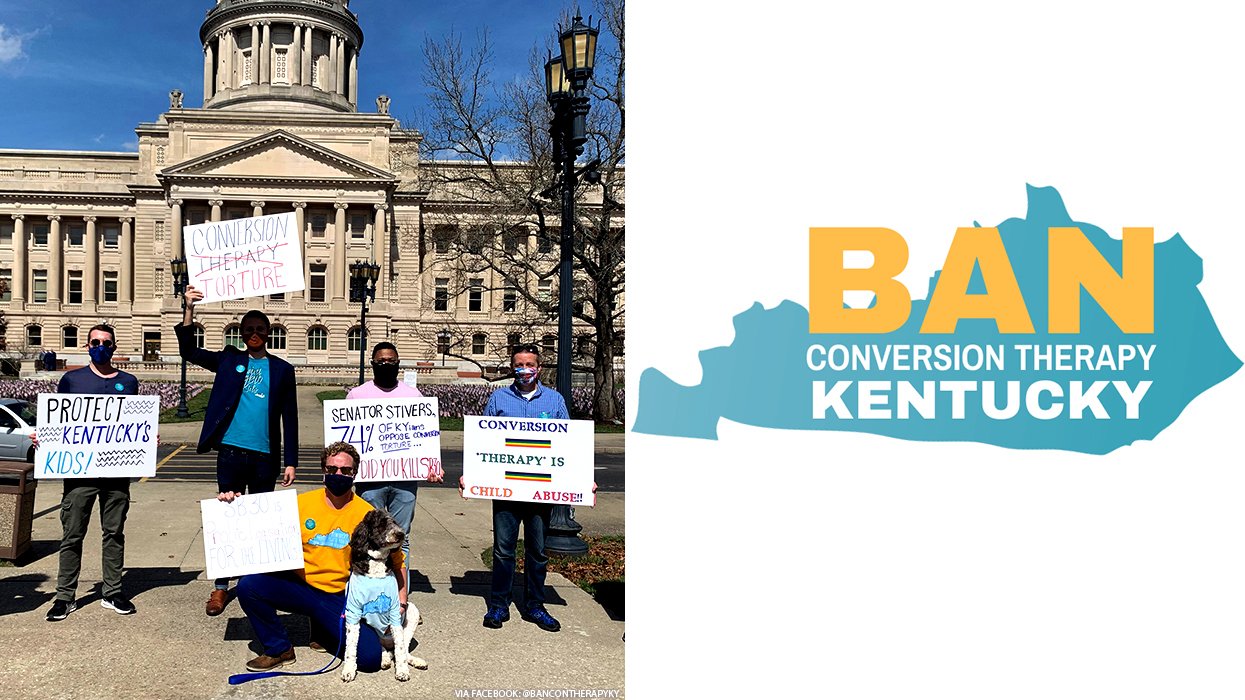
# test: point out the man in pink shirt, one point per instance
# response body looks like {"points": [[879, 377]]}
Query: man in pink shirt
{"points": [[397, 497]]}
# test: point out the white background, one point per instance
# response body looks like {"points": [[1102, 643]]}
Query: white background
{"points": [[855, 566]]}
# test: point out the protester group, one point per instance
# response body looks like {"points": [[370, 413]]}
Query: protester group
{"points": [[251, 422]]}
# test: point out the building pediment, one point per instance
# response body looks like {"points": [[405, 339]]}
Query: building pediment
{"points": [[276, 156]]}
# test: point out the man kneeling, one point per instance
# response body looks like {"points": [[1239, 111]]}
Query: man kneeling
{"points": [[328, 516]]}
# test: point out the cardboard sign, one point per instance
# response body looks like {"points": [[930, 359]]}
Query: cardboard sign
{"points": [[245, 257], [542, 460], [253, 534], [397, 439], [91, 436]]}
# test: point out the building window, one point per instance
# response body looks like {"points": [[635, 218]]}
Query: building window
{"points": [[233, 336], [510, 299], [443, 342], [544, 242], [475, 295], [316, 290], [441, 302], [354, 339], [512, 341], [282, 70], [200, 336], [69, 337], [110, 285], [40, 232], [196, 216], [280, 296], [358, 226], [112, 236], [443, 239], [276, 338], [77, 232], [318, 339], [75, 287], [583, 345], [549, 344], [513, 241], [620, 348], [6, 284], [6, 233], [477, 343], [246, 67], [479, 241], [233, 214], [34, 336], [319, 224], [39, 290], [544, 290]]}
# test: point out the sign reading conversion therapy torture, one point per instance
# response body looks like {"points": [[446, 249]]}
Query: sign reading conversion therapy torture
{"points": [[397, 439], [540, 460], [89, 436], [245, 257]]}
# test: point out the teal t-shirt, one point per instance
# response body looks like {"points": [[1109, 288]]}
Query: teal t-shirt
{"points": [[249, 427]]}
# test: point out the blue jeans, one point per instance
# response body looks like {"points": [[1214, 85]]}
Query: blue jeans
{"points": [[506, 518], [263, 595], [397, 497]]}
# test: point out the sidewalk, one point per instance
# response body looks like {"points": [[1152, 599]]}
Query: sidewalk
{"points": [[311, 428], [170, 649]]}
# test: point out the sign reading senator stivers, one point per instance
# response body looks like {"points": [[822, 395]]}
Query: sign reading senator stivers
{"points": [[245, 257], [541, 460]]}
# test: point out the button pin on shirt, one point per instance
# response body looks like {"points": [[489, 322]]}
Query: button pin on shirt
{"points": [[240, 368]]}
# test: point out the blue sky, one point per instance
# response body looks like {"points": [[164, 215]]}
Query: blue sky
{"points": [[81, 74]]}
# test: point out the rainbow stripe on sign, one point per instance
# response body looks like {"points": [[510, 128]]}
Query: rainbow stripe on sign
{"points": [[523, 442], [528, 476]]}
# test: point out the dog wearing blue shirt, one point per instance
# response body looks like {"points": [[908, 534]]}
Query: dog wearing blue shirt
{"points": [[372, 595]]}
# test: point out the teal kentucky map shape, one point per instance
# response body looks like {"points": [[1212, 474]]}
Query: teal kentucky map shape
{"points": [[337, 539], [1091, 391]]}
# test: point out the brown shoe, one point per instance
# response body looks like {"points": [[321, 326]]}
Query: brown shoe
{"points": [[216, 602], [264, 662], [317, 648]]}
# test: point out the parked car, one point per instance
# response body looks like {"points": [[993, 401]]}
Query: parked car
{"points": [[17, 422]]}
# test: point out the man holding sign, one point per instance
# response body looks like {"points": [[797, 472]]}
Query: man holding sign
{"points": [[98, 377], [253, 404]]}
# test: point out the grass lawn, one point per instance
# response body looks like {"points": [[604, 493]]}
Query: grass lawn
{"points": [[600, 572], [196, 405]]}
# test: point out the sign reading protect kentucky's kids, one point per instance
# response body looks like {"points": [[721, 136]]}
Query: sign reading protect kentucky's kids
{"points": [[540, 460]]}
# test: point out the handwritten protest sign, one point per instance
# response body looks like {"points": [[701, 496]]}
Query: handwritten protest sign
{"points": [[398, 439], [90, 436], [541, 460], [254, 534], [245, 257]]}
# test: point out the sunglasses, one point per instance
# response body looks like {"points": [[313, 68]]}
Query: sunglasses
{"points": [[385, 362], [345, 471], [96, 342]]}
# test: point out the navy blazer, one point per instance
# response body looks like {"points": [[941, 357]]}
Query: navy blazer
{"points": [[227, 392]]}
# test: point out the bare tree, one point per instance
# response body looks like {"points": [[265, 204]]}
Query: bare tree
{"points": [[487, 165]]}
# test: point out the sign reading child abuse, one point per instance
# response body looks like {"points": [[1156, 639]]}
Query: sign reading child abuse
{"points": [[397, 439], [245, 257], [253, 534], [89, 436], [540, 460]]}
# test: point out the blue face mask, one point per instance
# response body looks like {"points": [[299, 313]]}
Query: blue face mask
{"points": [[338, 484], [100, 354]]}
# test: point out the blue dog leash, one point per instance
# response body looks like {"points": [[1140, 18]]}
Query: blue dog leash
{"points": [[240, 678]]}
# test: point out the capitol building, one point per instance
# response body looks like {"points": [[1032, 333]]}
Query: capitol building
{"points": [[87, 237]]}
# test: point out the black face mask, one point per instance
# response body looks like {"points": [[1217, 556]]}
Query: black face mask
{"points": [[385, 375], [338, 484]]}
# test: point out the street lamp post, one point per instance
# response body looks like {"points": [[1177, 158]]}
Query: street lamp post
{"points": [[566, 83], [181, 279], [363, 278]]}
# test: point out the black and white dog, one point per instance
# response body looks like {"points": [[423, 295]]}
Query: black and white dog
{"points": [[372, 595]]}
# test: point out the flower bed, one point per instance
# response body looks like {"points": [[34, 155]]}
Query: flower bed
{"points": [[28, 389]]}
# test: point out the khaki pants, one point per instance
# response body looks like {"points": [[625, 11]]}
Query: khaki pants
{"points": [[76, 506]]}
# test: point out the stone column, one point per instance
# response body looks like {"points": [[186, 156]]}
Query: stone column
{"points": [[300, 210], [216, 203], [20, 267], [90, 282], [257, 208], [56, 269], [209, 69], [265, 53], [338, 271], [354, 76], [125, 280], [339, 74], [178, 242], [254, 54], [231, 51], [380, 243], [307, 57], [221, 67], [331, 79], [296, 56]]}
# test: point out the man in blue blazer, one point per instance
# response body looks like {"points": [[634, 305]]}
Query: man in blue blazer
{"points": [[252, 407]]}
